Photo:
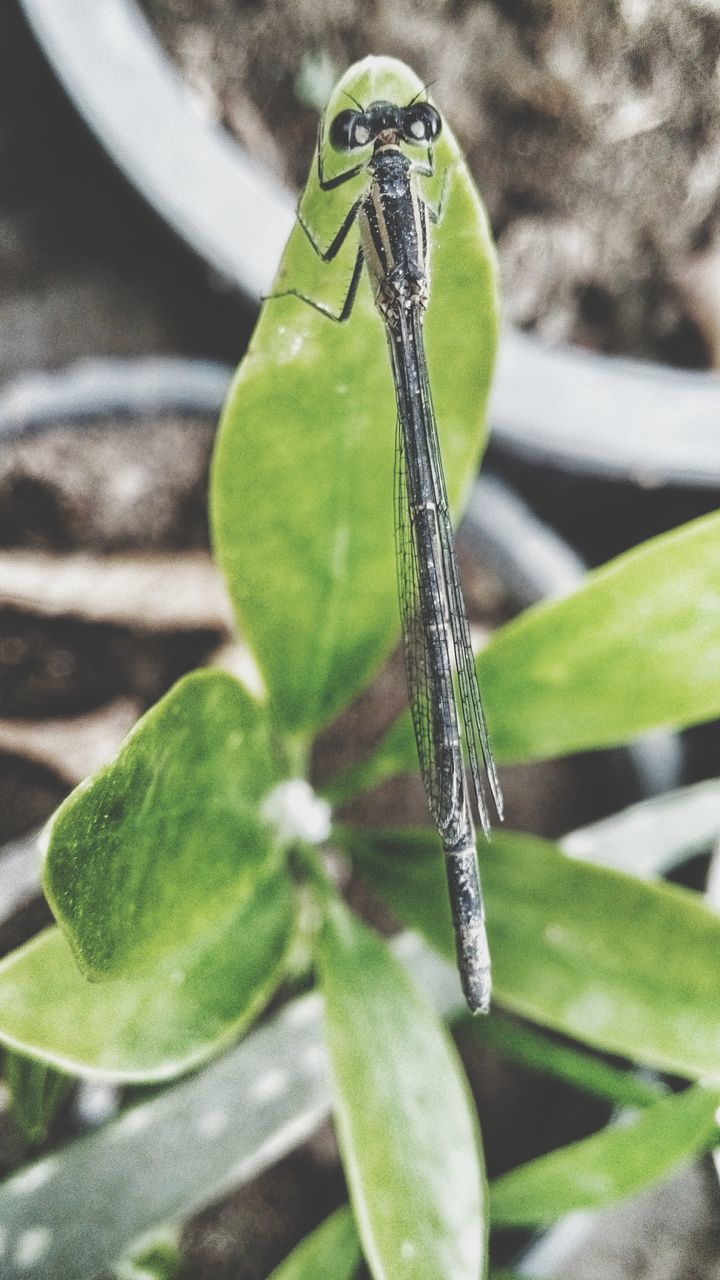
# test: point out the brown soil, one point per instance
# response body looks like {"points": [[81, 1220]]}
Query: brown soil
{"points": [[593, 132]]}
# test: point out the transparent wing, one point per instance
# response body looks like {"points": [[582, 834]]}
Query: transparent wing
{"points": [[428, 671], [475, 729], [474, 723]]}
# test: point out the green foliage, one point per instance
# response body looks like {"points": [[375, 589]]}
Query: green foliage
{"points": [[404, 1117], [330, 1252], [173, 884], [622, 1159], [633, 649], [302, 485], [159, 1023], [161, 844], [36, 1093], [156, 1258], [531, 1048], [576, 947]]}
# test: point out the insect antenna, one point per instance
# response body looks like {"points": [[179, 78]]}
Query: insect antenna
{"points": [[420, 93], [355, 102]]}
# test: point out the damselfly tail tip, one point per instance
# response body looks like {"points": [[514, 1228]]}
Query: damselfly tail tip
{"points": [[471, 941], [479, 1002], [476, 979]]}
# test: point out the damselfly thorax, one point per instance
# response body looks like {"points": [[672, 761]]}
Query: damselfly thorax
{"points": [[393, 233]]}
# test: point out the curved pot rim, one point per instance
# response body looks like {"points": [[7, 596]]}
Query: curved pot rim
{"points": [[581, 412]]}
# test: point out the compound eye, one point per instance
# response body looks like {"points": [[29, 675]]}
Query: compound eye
{"points": [[349, 130], [422, 123]]}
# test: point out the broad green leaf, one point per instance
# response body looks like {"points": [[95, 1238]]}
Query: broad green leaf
{"points": [[165, 841], [36, 1092], [537, 1051], [302, 482], [158, 1023], [622, 1160], [330, 1252], [629, 966], [634, 648], [405, 1122]]}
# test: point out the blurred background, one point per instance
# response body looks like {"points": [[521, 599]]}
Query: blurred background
{"points": [[149, 156]]}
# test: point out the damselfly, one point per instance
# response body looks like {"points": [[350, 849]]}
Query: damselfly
{"points": [[394, 223]]}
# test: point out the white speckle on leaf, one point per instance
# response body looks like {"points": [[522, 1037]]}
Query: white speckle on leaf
{"points": [[211, 1124], [31, 1246], [556, 935], [33, 1178], [314, 1057], [592, 1009], [341, 541], [270, 1085], [133, 1122], [407, 1250]]}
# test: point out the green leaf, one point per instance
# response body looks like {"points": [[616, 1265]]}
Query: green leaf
{"points": [[166, 842], [36, 1092], [653, 836], [302, 481], [157, 1257], [629, 966], [537, 1051], [633, 649], [405, 1122], [620, 1161], [158, 1023], [330, 1252]]}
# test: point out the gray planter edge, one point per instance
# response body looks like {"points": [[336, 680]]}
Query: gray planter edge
{"points": [[580, 412]]}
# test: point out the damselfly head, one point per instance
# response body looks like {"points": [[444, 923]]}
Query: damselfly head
{"points": [[418, 124]]}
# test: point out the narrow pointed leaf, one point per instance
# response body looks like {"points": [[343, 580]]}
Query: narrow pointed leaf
{"points": [[635, 648], [620, 1161], [163, 842], [536, 1050], [302, 482], [653, 836], [405, 1121], [330, 1252], [630, 966], [158, 1023]]}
